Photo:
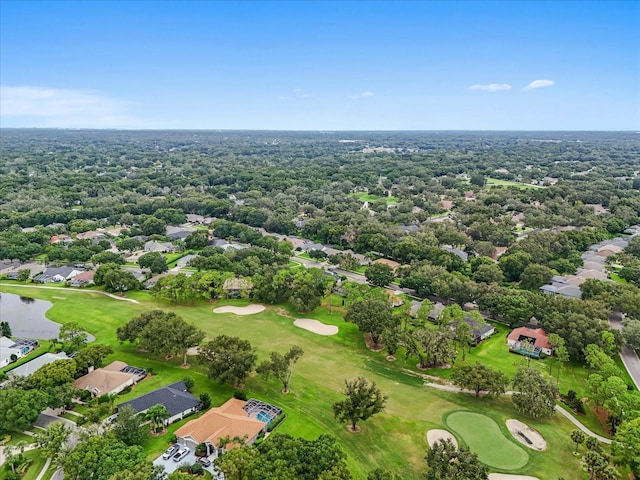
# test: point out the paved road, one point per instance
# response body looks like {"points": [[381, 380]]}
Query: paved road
{"points": [[353, 276], [628, 356]]}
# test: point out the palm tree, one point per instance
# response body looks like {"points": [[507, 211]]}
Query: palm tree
{"points": [[223, 442], [239, 440], [157, 415]]}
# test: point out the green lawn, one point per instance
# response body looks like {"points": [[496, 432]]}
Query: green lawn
{"points": [[495, 182], [494, 352], [367, 197], [483, 435], [617, 278], [172, 258], [17, 437], [37, 462], [394, 440]]}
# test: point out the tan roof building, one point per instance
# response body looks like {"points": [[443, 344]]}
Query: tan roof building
{"points": [[385, 261], [113, 378], [229, 419]]}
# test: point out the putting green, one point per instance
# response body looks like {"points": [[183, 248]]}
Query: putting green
{"points": [[484, 437]]}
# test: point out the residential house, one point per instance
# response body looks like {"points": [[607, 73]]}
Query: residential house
{"points": [[153, 280], [93, 235], [7, 266], [446, 204], [311, 246], [235, 287], [83, 279], [60, 239], [160, 247], [464, 256], [498, 252], [34, 269], [57, 275], [113, 378], [536, 341], [229, 420], [34, 365], [385, 261], [175, 397], [11, 350], [184, 261], [179, 233], [479, 330], [193, 218]]}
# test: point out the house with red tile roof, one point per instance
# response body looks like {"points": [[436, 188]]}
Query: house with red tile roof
{"points": [[529, 340]]}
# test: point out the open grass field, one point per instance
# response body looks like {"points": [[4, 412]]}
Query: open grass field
{"points": [[494, 353], [367, 197], [495, 182], [394, 440], [483, 435]]}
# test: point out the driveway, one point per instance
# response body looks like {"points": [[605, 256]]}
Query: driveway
{"points": [[628, 356], [170, 466]]}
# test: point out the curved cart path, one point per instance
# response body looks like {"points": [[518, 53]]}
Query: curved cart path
{"points": [[64, 289], [562, 411]]}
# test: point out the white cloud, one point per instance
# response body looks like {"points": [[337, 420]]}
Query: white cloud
{"points": [[492, 87], [362, 95], [539, 84], [65, 108]]}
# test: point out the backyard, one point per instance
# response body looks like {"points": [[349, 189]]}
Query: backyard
{"points": [[394, 440]]}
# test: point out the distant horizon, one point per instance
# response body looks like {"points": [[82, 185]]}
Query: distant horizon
{"points": [[488, 65], [306, 131]]}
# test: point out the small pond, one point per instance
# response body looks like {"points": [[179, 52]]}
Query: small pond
{"points": [[26, 316]]}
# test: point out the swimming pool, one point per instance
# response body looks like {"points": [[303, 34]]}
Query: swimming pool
{"points": [[264, 417], [262, 411]]}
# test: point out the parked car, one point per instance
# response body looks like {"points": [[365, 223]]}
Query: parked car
{"points": [[112, 419], [204, 461], [183, 452], [171, 451]]}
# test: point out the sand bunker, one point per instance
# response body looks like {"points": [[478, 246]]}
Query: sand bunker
{"points": [[434, 435], [526, 435], [504, 476], [315, 326], [248, 310]]}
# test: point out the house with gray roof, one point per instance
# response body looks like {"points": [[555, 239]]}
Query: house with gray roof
{"points": [[160, 247], [57, 275], [175, 397], [34, 365], [184, 261]]}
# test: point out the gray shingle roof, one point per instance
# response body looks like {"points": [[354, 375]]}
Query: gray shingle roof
{"points": [[174, 397]]}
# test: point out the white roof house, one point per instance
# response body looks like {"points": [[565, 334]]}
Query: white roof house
{"points": [[34, 365]]}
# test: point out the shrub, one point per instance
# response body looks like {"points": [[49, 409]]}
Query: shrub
{"points": [[173, 438], [201, 450], [240, 395], [84, 395], [572, 400], [125, 391], [188, 382], [196, 469], [81, 420], [276, 421], [151, 371], [205, 401]]}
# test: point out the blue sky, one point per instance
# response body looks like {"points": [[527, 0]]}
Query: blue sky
{"points": [[321, 65]]}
